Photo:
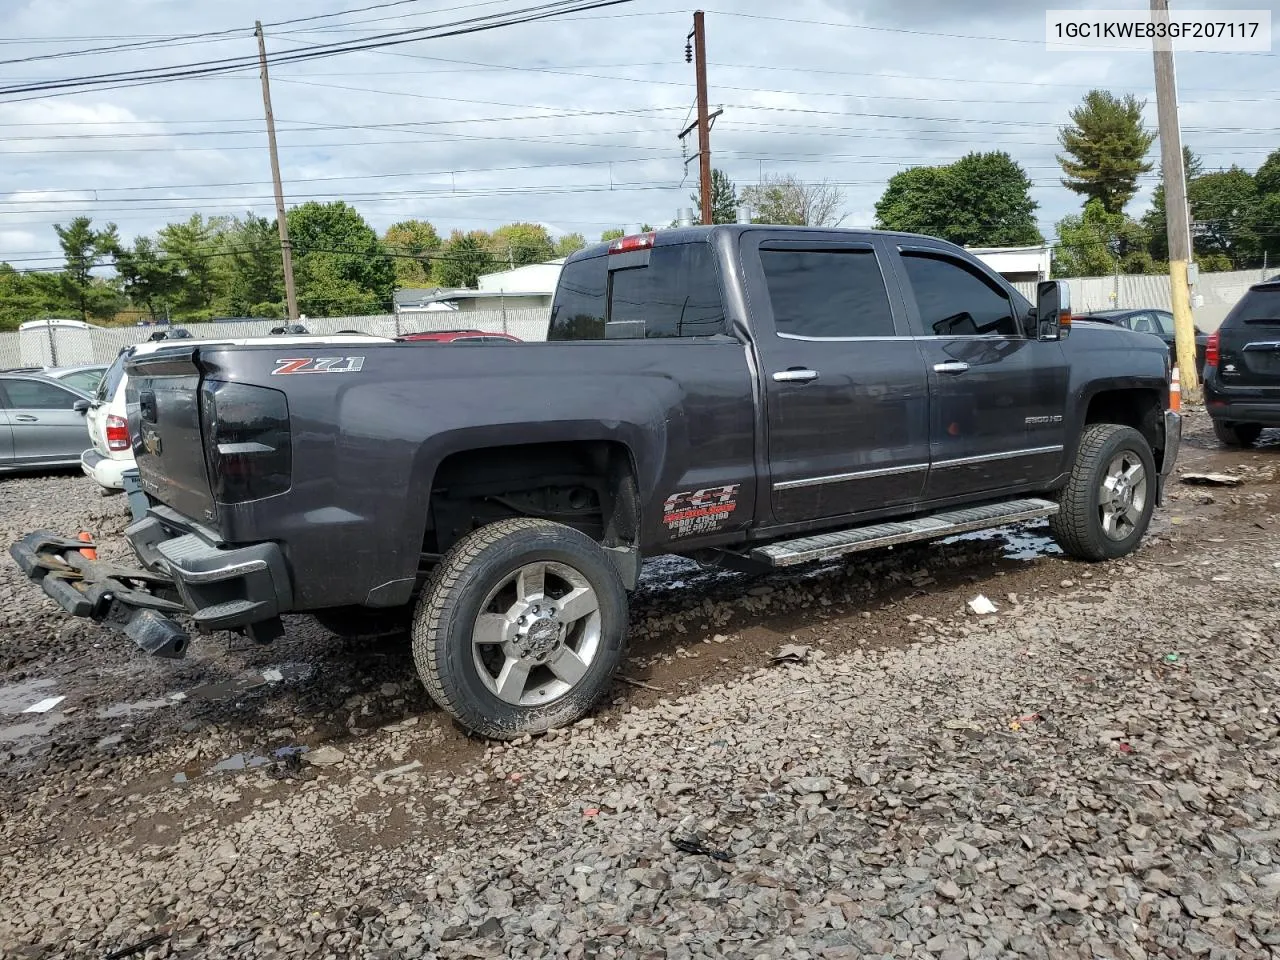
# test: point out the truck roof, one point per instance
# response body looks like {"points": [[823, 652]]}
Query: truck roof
{"points": [[665, 237]]}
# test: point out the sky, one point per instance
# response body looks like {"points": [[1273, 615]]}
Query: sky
{"points": [[570, 122]]}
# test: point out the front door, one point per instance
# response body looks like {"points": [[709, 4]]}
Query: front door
{"points": [[845, 389], [44, 427], [998, 397]]}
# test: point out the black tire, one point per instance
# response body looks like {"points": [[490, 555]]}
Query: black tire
{"points": [[360, 623], [1237, 434], [1078, 525], [463, 676]]}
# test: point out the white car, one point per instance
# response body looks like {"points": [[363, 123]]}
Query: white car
{"points": [[111, 453]]}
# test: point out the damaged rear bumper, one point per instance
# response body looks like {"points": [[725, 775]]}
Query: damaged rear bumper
{"points": [[138, 603], [183, 573]]}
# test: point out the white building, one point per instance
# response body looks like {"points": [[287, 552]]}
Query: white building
{"points": [[1015, 264], [535, 279]]}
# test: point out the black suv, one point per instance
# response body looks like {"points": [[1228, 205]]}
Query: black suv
{"points": [[1242, 367]]}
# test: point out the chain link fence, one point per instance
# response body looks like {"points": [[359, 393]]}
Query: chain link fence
{"points": [[67, 346]]}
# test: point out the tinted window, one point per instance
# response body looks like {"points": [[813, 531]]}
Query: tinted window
{"points": [[1164, 323], [1260, 307], [37, 395], [578, 310], [956, 300], [676, 295], [827, 293], [111, 382]]}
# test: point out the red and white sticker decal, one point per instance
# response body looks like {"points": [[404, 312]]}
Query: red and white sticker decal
{"points": [[699, 511]]}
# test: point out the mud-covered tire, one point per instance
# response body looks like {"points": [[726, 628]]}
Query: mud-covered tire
{"points": [[1080, 525], [1237, 434], [361, 623], [492, 572]]}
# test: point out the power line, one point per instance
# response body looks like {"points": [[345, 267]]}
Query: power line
{"points": [[149, 75]]}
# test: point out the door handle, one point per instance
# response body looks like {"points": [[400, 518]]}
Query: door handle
{"points": [[795, 375], [955, 366], [26, 418]]}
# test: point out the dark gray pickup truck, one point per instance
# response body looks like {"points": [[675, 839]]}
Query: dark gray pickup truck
{"points": [[751, 396]]}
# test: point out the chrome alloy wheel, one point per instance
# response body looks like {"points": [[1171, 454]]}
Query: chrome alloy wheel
{"points": [[537, 633], [1122, 497]]}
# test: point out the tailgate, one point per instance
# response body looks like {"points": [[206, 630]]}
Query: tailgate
{"points": [[1249, 341], [164, 422]]}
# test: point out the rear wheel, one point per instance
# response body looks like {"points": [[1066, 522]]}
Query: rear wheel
{"points": [[521, 629], [1106, 505], [1237, 434]]}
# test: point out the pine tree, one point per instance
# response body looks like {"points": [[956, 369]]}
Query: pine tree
{"points": [[1104, 149]]}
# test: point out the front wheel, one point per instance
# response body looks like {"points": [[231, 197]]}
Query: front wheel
{"points": [[1106, 505], [1237, 434], [521, 629]]}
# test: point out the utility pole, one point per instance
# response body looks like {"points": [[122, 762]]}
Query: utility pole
{"points": [[1175, 196], [704, 122], [286, 249]]}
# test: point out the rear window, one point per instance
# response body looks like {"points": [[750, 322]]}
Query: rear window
{"points": [[676, 294], [1260, 306], [111, 382], [578, 311]]}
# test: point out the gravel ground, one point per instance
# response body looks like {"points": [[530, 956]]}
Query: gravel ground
{"points": [[1094, 771]]}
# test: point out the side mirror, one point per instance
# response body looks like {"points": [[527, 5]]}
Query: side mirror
{"points": [[81, 406], [1053, 310]]}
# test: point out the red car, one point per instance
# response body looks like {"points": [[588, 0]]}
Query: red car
{"points": [[459, 336]]}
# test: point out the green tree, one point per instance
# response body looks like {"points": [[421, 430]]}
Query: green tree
{"points": [[188, 249], [518, 244], [788, 201], [148, 277], [570, 243], [86, 249], [412, 242], [1267, 178], [1225, 206], [1096, 243], [29, 296], [1104, 148], [983, 199], [1155, 220], [339, 265], [464, 257], [724, 199], [251, 271], [617, 233]]}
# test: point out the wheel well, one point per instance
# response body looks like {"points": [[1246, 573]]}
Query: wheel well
{"points": [[590, 486], [1140, 409]]}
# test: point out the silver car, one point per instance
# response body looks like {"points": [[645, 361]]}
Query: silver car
{"points": [[41, 422], [85, 377]]}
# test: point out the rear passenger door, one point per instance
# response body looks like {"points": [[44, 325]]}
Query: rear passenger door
{"points": [[846, 393], [998, 398]]}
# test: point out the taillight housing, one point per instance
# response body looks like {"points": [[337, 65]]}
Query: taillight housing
{"points": [[637, 241], [117, 432], [247, 441], [1212, 351]]}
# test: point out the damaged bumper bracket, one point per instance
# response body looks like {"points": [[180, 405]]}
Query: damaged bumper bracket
{"points": [[138, 603]]}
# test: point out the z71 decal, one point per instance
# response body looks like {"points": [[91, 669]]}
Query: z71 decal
{"points": [[699, 511], [318, 365]]}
